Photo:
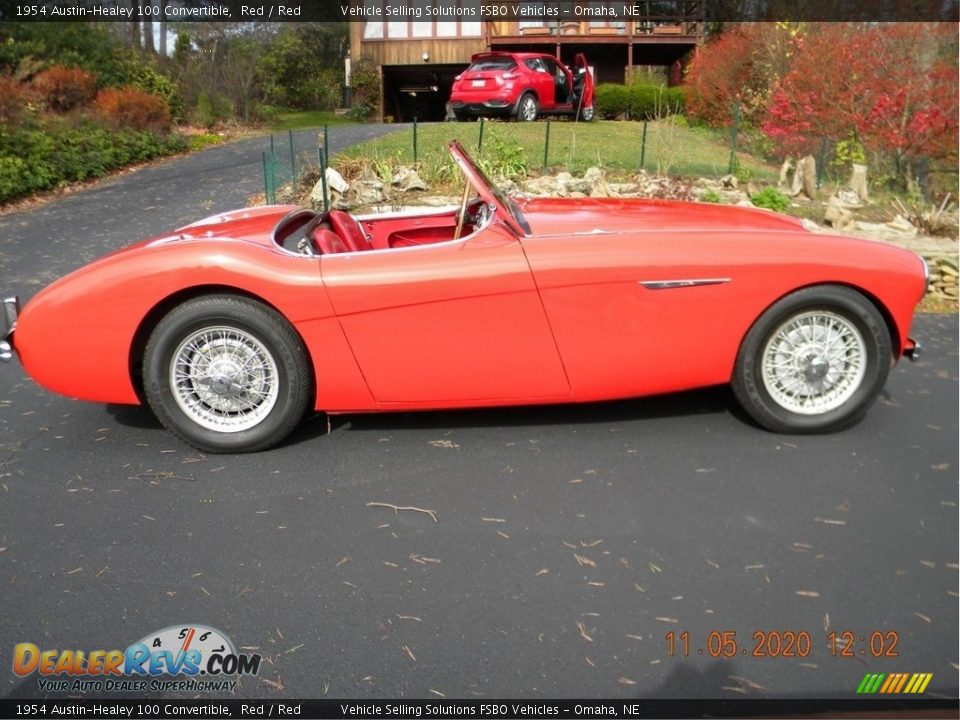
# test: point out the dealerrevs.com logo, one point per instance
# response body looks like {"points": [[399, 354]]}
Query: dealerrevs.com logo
{"points": [[203, 658]]}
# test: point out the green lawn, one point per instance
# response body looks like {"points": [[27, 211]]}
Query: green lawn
{"points": [[670, 148], [305, 119]]}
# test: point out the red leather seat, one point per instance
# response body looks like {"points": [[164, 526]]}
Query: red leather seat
{"points": [[327, 241], [349, 231]]}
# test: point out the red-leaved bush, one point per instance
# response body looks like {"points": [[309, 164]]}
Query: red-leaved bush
{"points": [[741, 64], [12, 100], [130, 107], [892, 87], [64, 88]]}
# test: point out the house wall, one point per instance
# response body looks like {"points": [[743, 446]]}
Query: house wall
{"points": [[611, 49]]}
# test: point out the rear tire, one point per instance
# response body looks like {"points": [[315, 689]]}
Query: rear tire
{"points": [[227, 374], [814, 362], [528, 109], [587, 113]]}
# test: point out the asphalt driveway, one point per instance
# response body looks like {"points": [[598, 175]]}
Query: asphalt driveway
{"points": [[560, 547]]}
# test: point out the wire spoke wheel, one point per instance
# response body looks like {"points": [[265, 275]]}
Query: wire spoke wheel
{"points": [[814, 362], [224, 379], [227, 374]]}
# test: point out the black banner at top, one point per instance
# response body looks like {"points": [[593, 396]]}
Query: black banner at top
{"points": [[530, 11], [493, 709]]}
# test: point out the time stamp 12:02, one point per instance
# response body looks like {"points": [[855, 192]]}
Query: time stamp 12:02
{"points": [[784, 644]]}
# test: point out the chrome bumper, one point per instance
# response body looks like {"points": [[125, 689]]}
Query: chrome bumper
{"points": [[9, 310]]}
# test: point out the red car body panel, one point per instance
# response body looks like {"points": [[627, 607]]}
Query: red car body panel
{"points": [[501, 316]]}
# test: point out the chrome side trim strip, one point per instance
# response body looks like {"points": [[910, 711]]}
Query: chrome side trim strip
{"points": [[692, 282]]}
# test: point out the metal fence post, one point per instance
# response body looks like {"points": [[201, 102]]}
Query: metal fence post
{"points": [[414, 138], [821, 160], [293, 162], [323, 178], [546, 148], [480, 141], [643, 145], [326, 142], [266, 183], [733, 137]]}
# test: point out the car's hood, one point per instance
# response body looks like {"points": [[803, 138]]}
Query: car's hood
{"points": [[550, 216]]}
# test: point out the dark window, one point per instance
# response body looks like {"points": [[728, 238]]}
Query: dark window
{"points": [[493, 63]]}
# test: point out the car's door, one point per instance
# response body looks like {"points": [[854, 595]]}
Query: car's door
{"points": [[582, 82], [562, 82], [541, 80], [454, 323]]}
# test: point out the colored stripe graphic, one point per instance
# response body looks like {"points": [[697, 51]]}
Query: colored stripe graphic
{"points": [[906, 683]]}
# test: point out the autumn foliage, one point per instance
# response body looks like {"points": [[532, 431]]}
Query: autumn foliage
{"points": [[890, 87], [12, 99], [883, 91], [63, 88], [739, 64], [130, 107]]}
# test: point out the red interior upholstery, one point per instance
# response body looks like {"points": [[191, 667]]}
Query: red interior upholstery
{"points": [[349, 231], [327, 241]]}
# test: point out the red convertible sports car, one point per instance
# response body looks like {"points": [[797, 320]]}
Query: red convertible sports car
{"points": [[522, 86], [235, 326]]}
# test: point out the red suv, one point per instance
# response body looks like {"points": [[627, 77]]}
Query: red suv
{"points": [[524, 86]]}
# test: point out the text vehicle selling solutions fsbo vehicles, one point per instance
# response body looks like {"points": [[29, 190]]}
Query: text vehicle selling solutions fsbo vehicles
{"points": [[232, 328]]}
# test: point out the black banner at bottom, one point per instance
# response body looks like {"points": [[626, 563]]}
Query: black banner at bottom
{"points": [[499, 709]]}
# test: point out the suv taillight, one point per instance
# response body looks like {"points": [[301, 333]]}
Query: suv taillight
{"points": [[509, 76]]}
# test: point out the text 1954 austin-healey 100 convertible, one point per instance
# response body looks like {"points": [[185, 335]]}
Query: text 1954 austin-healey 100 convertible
{"points": [[232, 328]]}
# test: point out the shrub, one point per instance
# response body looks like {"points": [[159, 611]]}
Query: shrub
{"points": [[611, 101], [711, 196], [211, 108], [130, 107], [144, 77], [365, 81], [32, 160], [771, 199], [652, 102], [12, 101], [64, 88]]}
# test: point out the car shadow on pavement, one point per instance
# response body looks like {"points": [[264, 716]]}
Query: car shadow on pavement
{"points": [[714, 400]]}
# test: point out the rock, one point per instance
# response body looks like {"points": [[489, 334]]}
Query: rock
{"points": [[545, 185], [849, 198], [837, 215], [593, 174], [316, 195], [745, 203], [336, 182], [858, 182], [729, 181], [901, 225], [785, 172], [406, 179], [367, 192], [627, 188], [809, 176]]}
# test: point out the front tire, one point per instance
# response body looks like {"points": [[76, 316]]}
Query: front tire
{"points": [[814, 362], [227, 374]]}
